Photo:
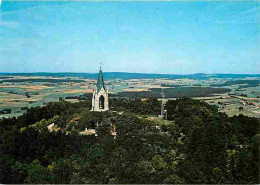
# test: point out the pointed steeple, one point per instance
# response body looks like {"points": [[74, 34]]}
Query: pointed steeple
{"points": [[100, 100], [100, 81]]}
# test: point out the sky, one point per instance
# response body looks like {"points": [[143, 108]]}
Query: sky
{"points": [[144, 37]]}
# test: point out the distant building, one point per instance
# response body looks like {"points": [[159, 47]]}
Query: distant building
{"points": [[100, 95]]}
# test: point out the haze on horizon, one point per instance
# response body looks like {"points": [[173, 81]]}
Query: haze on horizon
{"points": [[140, 37]]}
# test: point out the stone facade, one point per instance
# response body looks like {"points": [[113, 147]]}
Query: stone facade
{"points": [[100, 95]]}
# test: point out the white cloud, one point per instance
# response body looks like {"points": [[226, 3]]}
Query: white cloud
{"points": [[249, 16], [9, 24], [7, 49]]}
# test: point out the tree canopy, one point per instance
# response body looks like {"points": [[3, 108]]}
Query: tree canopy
{"points": [[198, 145]]}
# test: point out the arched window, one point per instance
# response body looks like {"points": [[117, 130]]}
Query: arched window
{"points": [[101, 102]]}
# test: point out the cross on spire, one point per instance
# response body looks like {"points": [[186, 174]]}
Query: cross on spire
{"points": [[101, 65]]}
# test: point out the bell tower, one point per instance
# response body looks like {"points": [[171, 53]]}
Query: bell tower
{"points": [[100, 95]]}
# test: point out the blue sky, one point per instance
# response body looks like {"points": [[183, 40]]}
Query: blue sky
{"points": [[147, 37]]}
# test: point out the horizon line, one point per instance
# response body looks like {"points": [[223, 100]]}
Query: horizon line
{"points": [[1, 73]]}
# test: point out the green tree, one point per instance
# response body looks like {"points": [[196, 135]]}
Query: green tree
{"points": [[37, 174]]}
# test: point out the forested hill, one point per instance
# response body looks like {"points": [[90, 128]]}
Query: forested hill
{"points": [[124, 75], [197, 145]]}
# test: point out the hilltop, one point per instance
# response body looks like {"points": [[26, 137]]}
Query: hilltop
{"points": [[197, 144]]}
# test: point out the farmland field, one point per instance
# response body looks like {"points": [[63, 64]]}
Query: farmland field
{"points": [[19, 92]]}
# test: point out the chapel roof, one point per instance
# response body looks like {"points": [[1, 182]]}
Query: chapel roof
{"points": [[100, 81]]}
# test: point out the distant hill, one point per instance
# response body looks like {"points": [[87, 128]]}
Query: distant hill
{"points": [[124, 75]]}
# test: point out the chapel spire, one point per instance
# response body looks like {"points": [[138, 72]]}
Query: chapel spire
{"points": [[100, 81], [100, 94]]}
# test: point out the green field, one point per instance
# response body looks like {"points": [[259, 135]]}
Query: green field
{"points": [[19, 92], [16, 96]]}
